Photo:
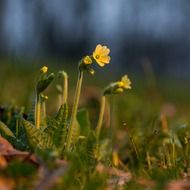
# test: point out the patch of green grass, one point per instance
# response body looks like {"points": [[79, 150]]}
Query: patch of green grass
{"points": [[147, 128]]}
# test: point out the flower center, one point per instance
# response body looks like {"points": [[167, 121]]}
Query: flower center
{"points": [[97, 56]]}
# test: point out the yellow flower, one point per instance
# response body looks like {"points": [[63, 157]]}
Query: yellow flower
{"points": [[119, 86], [101, 55], [44, 69], [125, 82], [87, 60]]}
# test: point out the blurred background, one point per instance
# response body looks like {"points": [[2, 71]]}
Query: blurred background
{"points": [[148, 39], [136, 31]]}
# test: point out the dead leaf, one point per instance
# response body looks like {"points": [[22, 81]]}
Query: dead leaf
{"points": [[6, 184], [3, 162], [179, 185], [8, 151]]}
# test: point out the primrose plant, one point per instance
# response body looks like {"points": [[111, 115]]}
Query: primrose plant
{"points": [[61, 133]]}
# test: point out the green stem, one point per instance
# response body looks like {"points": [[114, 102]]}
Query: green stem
{"points": [[65, 88], [17, 126], [173, 153], [60, 101], [44, 109], [148, 160], [43, 113], [186, 155], [37, 111], [101, 116], [74, 110], [112, 121]]}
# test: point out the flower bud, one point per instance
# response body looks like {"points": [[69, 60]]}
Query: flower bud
{"points": [[44, 83], [119, 90], [85, 65], [87, 60], [44, 69]]}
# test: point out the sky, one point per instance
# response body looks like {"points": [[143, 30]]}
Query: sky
{"points": [[136, 27]]}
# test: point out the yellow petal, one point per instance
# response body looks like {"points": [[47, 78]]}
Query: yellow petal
{"points": [[101, 64], [105, 59], [126, 81], [104, 51], [98, 48]]}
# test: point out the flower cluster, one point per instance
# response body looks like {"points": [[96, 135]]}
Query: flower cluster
{"points": [[100, 55], [119, 86]]}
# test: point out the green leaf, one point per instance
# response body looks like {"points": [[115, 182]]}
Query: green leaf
{"points": [[31, 114], [51, 126], [90, 148], [61, 120], [75, 132], [44, 83], [20, 142], [36, 137], [43, 122], [6, 130], [84, 121]]}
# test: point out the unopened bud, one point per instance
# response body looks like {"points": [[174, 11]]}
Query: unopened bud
{"points": [[44, 69], [87, 60]]}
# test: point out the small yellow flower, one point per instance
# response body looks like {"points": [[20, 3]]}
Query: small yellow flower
{"points": [[44, 69], [125, 82], [101, 55], [87, 60], [119, 86]]}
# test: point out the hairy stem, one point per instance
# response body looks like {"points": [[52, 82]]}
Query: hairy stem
{"points": [[37, 111], [101, 116], [43, 113], [173, 153], [74, 110], [65, 88]]}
